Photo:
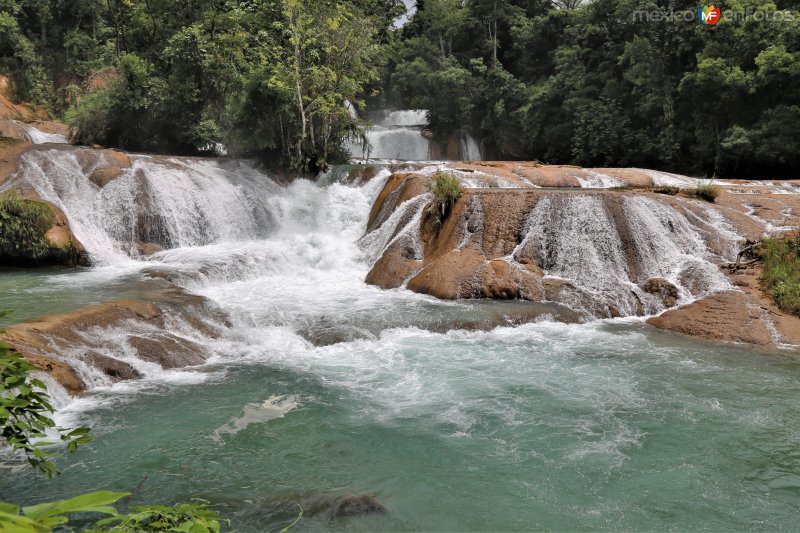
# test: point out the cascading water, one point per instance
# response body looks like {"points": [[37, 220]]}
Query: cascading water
{"points": [[405, 117], [398, 135], [166, 201], [318, 385], [37, 136], [575, 238], [470, 149]]}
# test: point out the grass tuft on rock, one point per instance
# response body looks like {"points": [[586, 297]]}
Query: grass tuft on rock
{"points": [[782, 272], [708, 191], [446, 189], [666, 189], [9, 141]]}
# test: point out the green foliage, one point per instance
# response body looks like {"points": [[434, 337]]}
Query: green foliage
{"points": [[24, 414], [189, 517], [588, 83], [267, 79], [782, 272], [23, 224], [44, 517], [446, 189], [90, 118], [708, 191], [315, 56], [7, 141]]}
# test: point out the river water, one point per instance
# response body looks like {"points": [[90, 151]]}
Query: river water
{"points": [[453, 417]]}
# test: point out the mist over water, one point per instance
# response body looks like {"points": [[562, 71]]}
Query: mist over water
{"points": [[452, 416]]}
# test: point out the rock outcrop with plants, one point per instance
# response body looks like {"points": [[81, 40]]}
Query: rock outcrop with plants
{"points": [[604, 242]]}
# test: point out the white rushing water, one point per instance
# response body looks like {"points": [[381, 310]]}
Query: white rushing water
{"points": [[394, 143], [598, 180], [405, 117], [398, 136], [168, 201], [574, 238], [37, 136], [284, 261]]}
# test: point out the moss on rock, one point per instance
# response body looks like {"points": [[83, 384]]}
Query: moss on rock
{"points": [[34, 233]]}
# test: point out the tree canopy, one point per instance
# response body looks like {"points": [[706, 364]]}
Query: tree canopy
{"points": [[597, 82], [606, 83], [264, 77]]}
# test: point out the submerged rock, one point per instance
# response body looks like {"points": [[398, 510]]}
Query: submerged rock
{"points": [[144, 249], [167, 350], [357, 505], [114, 368], [329, 506], [107, 165]]}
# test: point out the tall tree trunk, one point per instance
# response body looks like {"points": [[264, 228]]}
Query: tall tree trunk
{"points": [[298, 86]]}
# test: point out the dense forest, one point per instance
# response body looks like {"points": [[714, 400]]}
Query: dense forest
{"points": [[562, 81], [595, 83]]}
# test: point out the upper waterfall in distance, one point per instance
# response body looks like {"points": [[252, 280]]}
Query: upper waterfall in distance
{"points": [[399, 135]]}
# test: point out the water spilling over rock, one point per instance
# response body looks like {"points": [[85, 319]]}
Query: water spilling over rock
{"points": [[401, 135], [603, 252], [262, 265]]}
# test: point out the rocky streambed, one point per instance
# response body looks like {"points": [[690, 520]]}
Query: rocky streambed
{"points": [[555, 242]]}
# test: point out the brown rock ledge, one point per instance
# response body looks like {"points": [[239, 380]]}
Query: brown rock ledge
{"points": [[44, 342]]}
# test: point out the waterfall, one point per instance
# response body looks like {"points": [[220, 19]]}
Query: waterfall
{"points": [[470, 150], [171, 202], [575, 238], [403, 143], [351, 110], [37, 136], [578, 238], [400, 135], [601, 254], [405, 117], [262, 251], [396, 136]]}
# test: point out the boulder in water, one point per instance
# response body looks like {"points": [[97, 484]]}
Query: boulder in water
{"points": [[143, 249], [107, 165], [103, 176], [114, 368], [666, 291], [167, 350], [725, 316], [516, 232], [36, 233], [358, 505]]}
